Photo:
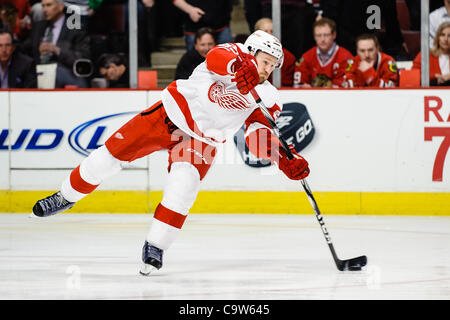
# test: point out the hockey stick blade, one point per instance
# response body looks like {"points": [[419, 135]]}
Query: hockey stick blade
{"points": [[354, 264]]}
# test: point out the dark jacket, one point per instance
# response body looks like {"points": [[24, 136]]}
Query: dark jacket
{"points": [[73, 44], [188, 62], [21, 72], [217, 14]]}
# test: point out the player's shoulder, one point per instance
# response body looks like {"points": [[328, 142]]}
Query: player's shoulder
{"points": [[310, 53], [232, 46], [389, 62], [344, 53]]}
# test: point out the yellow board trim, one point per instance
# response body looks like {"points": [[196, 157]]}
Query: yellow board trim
{"points": [[353, 203]]}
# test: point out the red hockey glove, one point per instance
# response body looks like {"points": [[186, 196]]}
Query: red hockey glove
{"points": [[294, 169], [246, 76]]}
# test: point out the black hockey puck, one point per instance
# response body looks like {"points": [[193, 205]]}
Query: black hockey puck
{"points": [[355, 268]]}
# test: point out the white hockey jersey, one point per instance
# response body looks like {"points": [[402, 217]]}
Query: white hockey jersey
{"points": [[209, 107]]}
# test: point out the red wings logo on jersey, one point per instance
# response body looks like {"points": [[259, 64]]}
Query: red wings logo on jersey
{"points": [[226, 99]]}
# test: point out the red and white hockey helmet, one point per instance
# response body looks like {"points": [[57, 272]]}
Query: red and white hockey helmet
{"points": [[260, 40]]}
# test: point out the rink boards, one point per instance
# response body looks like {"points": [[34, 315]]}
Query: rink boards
{"points": [[373, 152]]}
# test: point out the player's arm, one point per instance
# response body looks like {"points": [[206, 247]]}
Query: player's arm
{"points": [[228, 59], [258, 135], [222, 59], [264, 144]]}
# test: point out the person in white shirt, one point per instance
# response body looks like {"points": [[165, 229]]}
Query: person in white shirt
{"points": [[437, 17]]}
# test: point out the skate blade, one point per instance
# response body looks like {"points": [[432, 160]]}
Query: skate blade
{"points": [[147, 269]]}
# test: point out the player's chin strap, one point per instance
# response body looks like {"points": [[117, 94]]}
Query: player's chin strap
{"points": [[350, 264]]}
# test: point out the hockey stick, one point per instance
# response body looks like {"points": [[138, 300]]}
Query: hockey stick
{"points": [[353, 264]]}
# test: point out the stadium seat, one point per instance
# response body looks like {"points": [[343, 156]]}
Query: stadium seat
{"points": [[147, 79], [409, 78], [403, 15], [412, 39]]}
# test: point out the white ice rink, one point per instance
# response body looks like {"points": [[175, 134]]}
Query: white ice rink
{"points": [[270, 257]]}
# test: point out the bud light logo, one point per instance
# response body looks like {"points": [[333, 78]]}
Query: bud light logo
{"points": [[77, 134], [83, 139]]}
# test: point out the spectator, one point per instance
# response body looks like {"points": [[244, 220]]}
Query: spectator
{"points": [[436, 18], [371, 67], [19, 11], [287, 70], [51, 41], [204, 41], [206, 13], [85, 8], [439, 57], [324, 64], [353, 19], [114, 68], [16, 70], [297, 17]]}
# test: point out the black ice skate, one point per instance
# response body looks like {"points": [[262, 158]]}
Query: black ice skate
{"points": [[52, 205], [152, 258]]}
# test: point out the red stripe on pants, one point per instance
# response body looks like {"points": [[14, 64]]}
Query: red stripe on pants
{"points": [[79, 184], [169, 217]]}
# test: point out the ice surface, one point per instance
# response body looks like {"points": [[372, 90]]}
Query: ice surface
{"points": [[235, 256]]}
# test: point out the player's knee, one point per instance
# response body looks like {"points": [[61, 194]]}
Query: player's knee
{"points": [[181, 188], [99, 165]]}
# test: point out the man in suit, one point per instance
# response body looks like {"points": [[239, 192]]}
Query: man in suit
{"points": [[53, 40], [16, 70]]}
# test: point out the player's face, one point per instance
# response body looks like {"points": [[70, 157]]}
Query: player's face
{"points": [[204, 44], [324, 37], [6, 47], [266, 65], [444, 40], [367, 50]]}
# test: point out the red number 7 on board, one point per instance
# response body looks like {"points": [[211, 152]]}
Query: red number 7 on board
{"points": [[439, 161]]}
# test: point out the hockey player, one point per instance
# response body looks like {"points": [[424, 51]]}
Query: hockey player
{"points": [[327, 60], [191, 119], [371, 67]]}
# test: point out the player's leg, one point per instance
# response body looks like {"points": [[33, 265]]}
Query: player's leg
{"points": [[140, 136], [189, 162]]}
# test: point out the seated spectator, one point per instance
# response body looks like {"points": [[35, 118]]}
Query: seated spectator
{"points": [[371, 67], [206, 13], [51, 41], [287, 69], [438, 16], [16, 14], [324, 64], [204, 41], [16, 70], [113, 67], [439, 57]]}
